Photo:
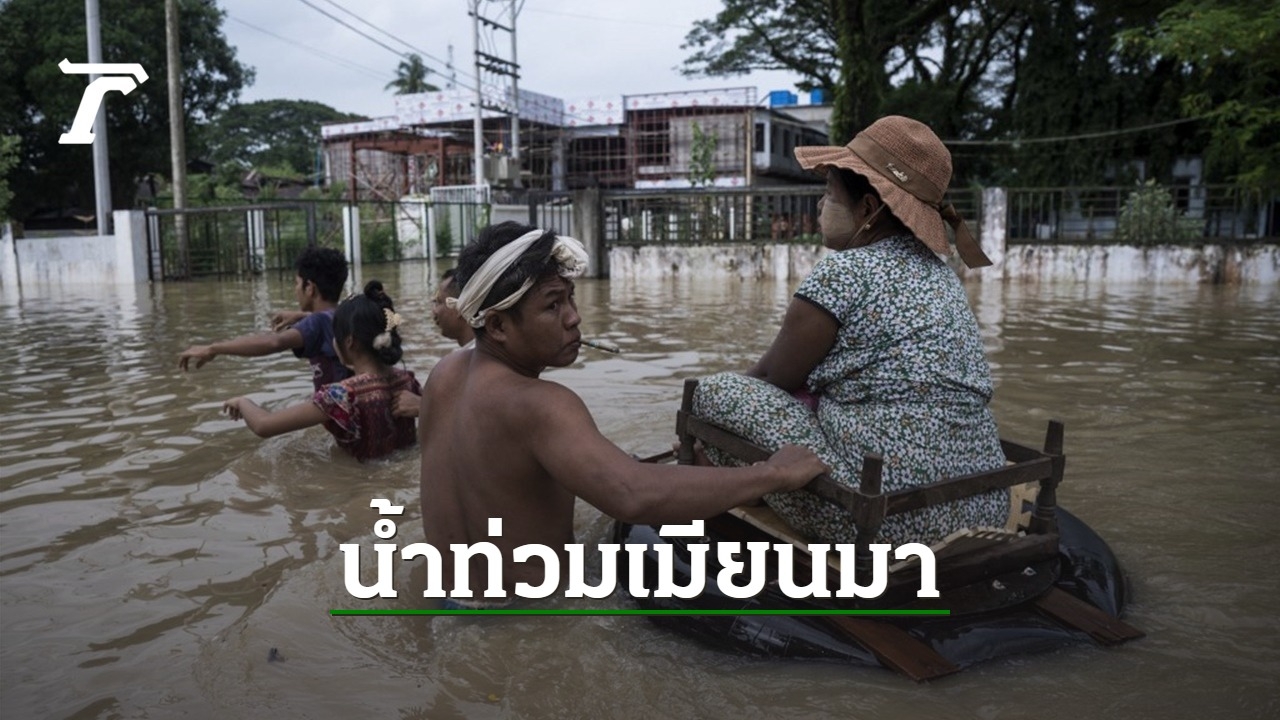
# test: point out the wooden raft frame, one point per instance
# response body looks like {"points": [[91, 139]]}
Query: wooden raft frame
{"points": [[869, 506]]}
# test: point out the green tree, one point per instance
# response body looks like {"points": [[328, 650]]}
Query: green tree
{"points": [[1070, 79], [852, 49], [1231, 50], [702, 156], [269, 134], [411, 77], [9, 145], [38, 102]]}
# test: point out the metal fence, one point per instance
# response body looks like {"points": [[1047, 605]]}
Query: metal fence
{"points": [[268, 235], [1143, 214], [232, 240], [782, 214]]}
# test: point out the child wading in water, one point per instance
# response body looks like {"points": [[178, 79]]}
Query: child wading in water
{"points": [[357, 411], [308, 333]]}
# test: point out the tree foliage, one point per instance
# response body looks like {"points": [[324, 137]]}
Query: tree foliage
{"points": [[276, 134], [38, 102], [411, 77], [1231, 51], [9, 145], [849, 48], [1006, 72]]}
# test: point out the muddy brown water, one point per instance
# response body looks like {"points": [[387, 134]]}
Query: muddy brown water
{"points": [[152, 552]]}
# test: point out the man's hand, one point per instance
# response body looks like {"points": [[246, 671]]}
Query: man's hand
{"points": [[406, 404], [232, 408], [699, 453], [285, 319], [200, 353], [797, 465]]}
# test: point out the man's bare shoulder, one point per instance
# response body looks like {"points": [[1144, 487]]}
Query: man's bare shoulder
{"points": [[489, 378]]}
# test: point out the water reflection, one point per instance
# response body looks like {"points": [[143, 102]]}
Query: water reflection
{"points": [[152, 552]]}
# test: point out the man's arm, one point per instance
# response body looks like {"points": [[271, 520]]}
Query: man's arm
{"points": [[269, 424], [255, 345], [565, 440]]}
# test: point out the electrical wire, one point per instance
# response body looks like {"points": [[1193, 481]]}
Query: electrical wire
{"points": [[378, 74], [406, 43], [1081, 136]]}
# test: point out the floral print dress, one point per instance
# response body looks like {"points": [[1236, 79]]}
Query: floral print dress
{"points": [[358, 413], [906, 378]]}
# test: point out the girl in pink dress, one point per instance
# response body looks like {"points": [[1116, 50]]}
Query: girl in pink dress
{"points": [[356, 411]]}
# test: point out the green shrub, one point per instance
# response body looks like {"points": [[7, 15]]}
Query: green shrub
{"points": [[9, 145], [1149, 217], [379, 245], [444, 233]]}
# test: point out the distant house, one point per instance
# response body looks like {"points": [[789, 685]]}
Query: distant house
{"points": [[610, 141]]}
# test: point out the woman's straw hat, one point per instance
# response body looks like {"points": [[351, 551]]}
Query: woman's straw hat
{"points": [[910, 168]]}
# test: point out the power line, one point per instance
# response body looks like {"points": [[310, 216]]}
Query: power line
{"points": [[406, 43], [398, 53], [355, 30], [606, 19], [1082, 136], [381, 75]]}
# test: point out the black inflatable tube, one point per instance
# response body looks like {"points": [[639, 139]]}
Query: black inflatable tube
{"points": [[1088, 570]]}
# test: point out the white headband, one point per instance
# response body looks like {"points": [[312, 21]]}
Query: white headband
{"points": [[568, 253]]}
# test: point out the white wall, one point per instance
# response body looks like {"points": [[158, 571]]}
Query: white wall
{"points": [[1024, 263], [778, 261], [78, 259]]}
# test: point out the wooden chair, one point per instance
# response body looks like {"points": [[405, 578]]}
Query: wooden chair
{"points": [[977, 570]]}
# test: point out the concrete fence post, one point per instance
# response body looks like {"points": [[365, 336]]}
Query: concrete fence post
{"points": [[588, 223], [8, 258], [351, 236], [994, 235], [131, 246], [257, 240]]}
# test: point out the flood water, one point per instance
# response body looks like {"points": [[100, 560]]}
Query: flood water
{"points": [[152, 552]]}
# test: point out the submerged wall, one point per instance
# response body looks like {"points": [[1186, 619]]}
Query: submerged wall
{"points": [[1167, 263], [1027, 263], [77, 259], [777, 261], [1050, 262]]}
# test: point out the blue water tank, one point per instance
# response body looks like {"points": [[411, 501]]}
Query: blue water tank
{"points": [[782, 97], [816, 97]]}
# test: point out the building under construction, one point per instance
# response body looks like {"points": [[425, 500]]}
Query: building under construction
{"points": [[721, 138]]}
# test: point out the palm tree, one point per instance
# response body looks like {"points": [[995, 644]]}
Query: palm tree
{"points": [[411, 77]]}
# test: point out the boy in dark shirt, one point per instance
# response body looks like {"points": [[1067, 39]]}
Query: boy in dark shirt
{"points": [[321, 274]]}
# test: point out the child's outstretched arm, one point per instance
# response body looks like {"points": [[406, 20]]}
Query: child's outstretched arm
{"points": [[255, 345], [269, 424]]}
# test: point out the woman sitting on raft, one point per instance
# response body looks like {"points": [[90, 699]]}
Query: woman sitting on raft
{"points": [[357, 411], [878, 350]]}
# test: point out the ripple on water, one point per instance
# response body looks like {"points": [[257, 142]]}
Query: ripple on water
{"points": [[153, 552]]}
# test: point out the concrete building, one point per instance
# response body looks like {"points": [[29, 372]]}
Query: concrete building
{"points": [[721, 138]]}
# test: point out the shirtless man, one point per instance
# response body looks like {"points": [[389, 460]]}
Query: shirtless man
{"points": [[497, 441]]}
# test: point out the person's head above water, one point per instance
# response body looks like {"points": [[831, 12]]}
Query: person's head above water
{"points": [[448, 319], [366, 324], [321, 273], [517, 294], [908, 169], [496, 272]]}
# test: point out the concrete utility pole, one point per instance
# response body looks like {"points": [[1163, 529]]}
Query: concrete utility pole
{"points": [[515, 93], [101, 167], [479, 122], [177, 134], [500, 71]]}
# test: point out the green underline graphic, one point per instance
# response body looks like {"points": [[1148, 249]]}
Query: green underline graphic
{"points": [[647, 613]]}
